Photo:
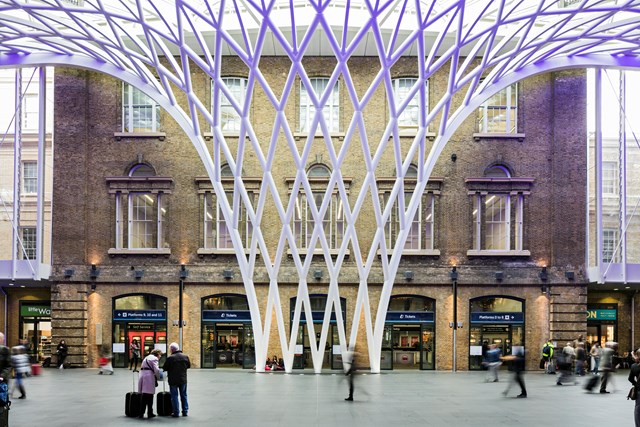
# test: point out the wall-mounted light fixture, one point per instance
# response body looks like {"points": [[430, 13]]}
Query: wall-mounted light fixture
{"points": [[570, 275], [94, 273], [139, 274], [408, 275], [543, 274], [499, 276], [453, 274], [543, 289], [317, 274], [184, 273], [69, 272], [93, 287], [454, 157], [227, 274]]}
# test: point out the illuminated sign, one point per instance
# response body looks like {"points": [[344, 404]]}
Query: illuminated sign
{"points": [[610, 314]]}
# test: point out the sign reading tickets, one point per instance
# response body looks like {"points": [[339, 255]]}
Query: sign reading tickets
{"points": [[226, 315], [410, 316], [610, 314], [136, 315], [482, 317], [35, 311]]}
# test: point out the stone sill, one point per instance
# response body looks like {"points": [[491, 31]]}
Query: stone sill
{"points": [[135, 252], [474, 252], [135, 135], [305, 252], [304, 135], [410, 253], [479, 136], [214, 251]]}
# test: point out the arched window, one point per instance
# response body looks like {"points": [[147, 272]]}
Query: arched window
{"points": [[333, 219], [421, 226], [217, 232], [498, 211], [141, 209]]}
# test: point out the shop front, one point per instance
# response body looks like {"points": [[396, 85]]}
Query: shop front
{"points": [[140, 317], [227, 335], [332, 358], [495, 320], [408, 340], [35, 329], [602, 323]]}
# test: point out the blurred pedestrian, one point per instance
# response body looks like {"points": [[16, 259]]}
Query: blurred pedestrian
{"points": [[62, 350], [148, 381], [634, 378], [493, 363], [516, 365], [21, 367], [565, 364], [5, 372], [547, 356], [595, 356], [606, 364], [176, 367], [135, 355], [349, 363], [581, 358]]}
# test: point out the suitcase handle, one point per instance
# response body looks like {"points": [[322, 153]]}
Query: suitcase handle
{"points": [[133, 380]]}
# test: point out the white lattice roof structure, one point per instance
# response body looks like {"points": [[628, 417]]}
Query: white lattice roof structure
{"points": [[485, 44]]}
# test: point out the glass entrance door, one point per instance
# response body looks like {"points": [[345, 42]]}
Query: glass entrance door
{"points": [[36, 336], [503, 336], [386, 355], [208, 345], [229, 345], [427, 350], [148, 335], [406, 346], [329, 360]]}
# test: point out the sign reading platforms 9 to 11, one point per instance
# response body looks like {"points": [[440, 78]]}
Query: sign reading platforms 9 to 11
{"points": [[137, 315]]}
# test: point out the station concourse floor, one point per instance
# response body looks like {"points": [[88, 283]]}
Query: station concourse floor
{"points": [[234, 398]]}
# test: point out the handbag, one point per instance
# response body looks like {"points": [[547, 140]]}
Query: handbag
{"points": [[633, 393]]}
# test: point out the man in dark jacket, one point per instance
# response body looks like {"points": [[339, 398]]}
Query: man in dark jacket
{"points": [[176, 366]]}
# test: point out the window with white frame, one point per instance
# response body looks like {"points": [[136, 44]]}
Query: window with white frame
{"points": [[140, 113], [333, 220], [421, 227], [498, 212], [499, 114], [28, 240], [140, 209], [609, 243], [30, 111], [410, 116], [30, 177], [610, 178], [217, 231], [229, 118], [330, 110]]}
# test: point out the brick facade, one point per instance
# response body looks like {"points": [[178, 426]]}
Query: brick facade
{"points": [[553, 152]]}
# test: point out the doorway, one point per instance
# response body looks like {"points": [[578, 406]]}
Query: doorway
{"points": [[148, 335], [332, 358], [228, 345]]}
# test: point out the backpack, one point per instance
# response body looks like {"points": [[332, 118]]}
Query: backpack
{"points": [[546, 350], [4, 393]]}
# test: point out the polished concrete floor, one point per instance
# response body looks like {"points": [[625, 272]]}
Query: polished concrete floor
{"points": [[233, 398]]}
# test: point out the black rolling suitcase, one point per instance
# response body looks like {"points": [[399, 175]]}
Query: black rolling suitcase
{"points": [[133, 402], [591, 382], [163, 401]]}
